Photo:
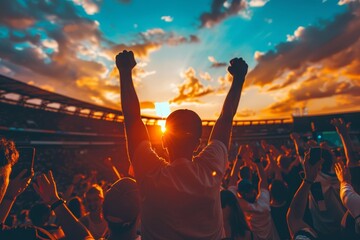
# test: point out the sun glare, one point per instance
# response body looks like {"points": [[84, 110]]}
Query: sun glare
{"points": [[161, 123], [162, 109]]}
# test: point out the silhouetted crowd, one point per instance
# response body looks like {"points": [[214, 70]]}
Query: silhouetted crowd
{"points": [[196, 190]]}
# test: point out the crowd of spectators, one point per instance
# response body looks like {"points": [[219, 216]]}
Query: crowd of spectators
{"points": [[306, 190]]}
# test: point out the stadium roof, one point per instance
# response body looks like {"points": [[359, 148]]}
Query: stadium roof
{"points": [[29, 92], [10, 85]]}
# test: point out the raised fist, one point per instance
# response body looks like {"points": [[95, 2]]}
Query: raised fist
{"points": [[238, 67], [125, 60]]}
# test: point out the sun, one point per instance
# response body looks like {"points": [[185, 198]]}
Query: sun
{"points": [[162, 109], [161, 123]]}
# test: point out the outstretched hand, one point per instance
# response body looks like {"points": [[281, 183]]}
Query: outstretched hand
{"points": [[125, 61], [45, 187], [18, 184], [342, 172], [340, 125], [238, 68]]}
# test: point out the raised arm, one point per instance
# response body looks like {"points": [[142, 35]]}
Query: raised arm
{"points": [[343, 130], [135, 129], [15, 188], [297, 207], [299, 144], [238, 162], [46, 188], [349, 197], [222, 128]]}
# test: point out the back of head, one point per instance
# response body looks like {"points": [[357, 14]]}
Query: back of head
{"points": [[237, 218], [121, 205], [39, 214], [245, 186], [278, 191], [284, 161], [184, 123], [76, 206], [95, 189], [8, 153], [8, 157], [245, 172]]}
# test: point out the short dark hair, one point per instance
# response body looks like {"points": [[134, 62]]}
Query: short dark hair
{"points": [[245, 172], [245, 186], [39, 214], [278, 190], [184, 123], [8, 153]]}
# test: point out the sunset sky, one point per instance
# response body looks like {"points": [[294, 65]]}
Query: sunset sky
{"points": [[301, 53]]}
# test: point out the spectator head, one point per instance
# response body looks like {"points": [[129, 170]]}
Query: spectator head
{"points": [[284, 162], [278, 192], [8, 157], [94, 198], [233, 214], [329, 158], [183, 128], [121, 206], [39, 214], [247, 190], [245, 173], [76, 206]]}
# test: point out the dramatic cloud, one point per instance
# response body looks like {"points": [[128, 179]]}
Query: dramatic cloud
{"points": [[317, 63], [220, 10], [216, 64], [191, 89], [149, 41], [56, 40], [315, 90], [297, 34], [314, 45]]}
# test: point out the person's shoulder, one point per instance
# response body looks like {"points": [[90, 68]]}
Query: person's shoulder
{"points": [[216, 147]]}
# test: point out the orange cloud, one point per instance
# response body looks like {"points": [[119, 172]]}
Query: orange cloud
{"points": [[191, 89], [147, 105], [330, 44]]}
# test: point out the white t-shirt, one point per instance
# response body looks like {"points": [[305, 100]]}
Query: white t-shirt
{"points": [[181, 200], [328, 219], [350, 199], [98, 230], [258, 214]]}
